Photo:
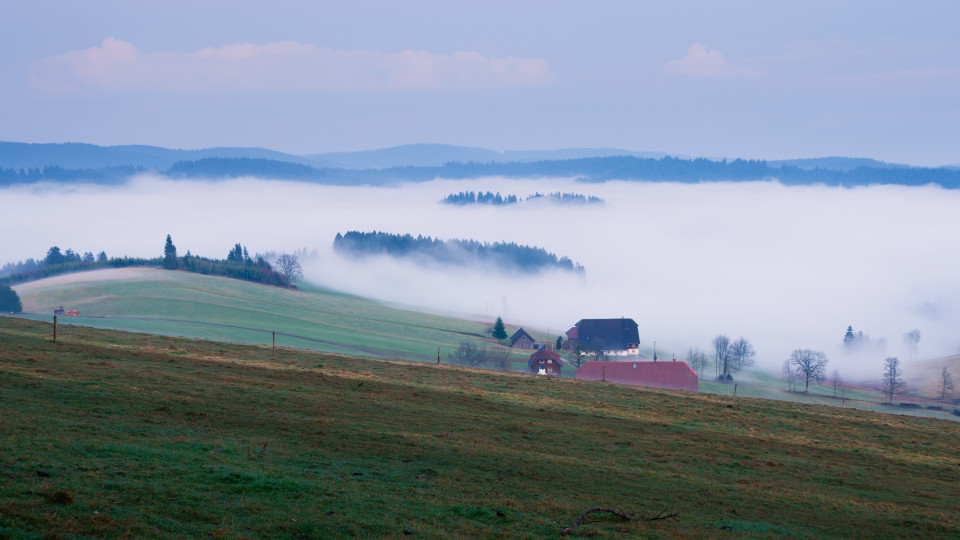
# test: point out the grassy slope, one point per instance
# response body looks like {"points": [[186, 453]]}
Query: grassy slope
{"points": [[144, 435], [357, 324]]}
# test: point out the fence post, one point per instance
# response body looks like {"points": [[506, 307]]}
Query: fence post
{"points": [[604, 373], [438, 356], [734, 390], [54, 328], [274, 341]]}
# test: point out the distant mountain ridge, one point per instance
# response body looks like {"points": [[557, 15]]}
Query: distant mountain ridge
{"points": [[22, 163], [17, 155]]}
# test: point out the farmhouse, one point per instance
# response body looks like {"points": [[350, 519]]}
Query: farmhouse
{"points": [[615, 337], [545, 362], [522, 340], [671, 375]]}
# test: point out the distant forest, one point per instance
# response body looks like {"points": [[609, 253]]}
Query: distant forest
{"points": [[507, 256], [495, 199], [598, 169], [238, 264]]}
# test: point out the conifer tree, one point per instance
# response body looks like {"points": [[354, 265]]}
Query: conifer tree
{"points": [[499, 331], [9, 300], [170, 255]]}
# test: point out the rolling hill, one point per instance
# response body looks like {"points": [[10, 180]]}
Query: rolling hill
{"points": [[113, 434], [195, 305]]}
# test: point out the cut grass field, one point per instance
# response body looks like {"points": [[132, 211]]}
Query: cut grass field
{"points": [[135, 298], [116, 434]]}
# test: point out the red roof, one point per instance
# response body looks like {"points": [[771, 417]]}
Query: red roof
{"points": [[544, 354], [671, 375]]}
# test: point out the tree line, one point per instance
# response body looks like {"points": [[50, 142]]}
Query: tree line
{"points": [[507, 255], [238, 264], [495, 199], [597, 169]]}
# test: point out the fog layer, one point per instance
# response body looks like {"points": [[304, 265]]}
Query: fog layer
{"points": [[786, 267]]}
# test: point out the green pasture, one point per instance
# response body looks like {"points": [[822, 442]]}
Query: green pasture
{"points": [[349, 324], [121, 435]]}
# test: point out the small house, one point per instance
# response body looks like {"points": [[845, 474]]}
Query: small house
{"points": [[545, 362], [522, 340]]}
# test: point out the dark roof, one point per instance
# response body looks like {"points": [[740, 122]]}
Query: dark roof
{"points": [[519, 334], [672, 375], [615, 334], [543, 354]]}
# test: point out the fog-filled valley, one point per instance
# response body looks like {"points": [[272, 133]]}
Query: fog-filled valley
{"points": [[785, 267]]}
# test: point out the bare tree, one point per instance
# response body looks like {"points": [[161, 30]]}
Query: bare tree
{"points": [[579, 358], [697, 360], [810, 365], [289, 267], [721, 355], [892, 378], [836, 382], [789, 373], [741, 354], [467, 354], [946, 383], [912, 340], [497, 358]]}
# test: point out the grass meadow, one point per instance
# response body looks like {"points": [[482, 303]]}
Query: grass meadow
{"points": [[114, 434]]}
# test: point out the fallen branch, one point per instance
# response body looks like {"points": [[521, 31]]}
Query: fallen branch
{"points": [[619, 513]]}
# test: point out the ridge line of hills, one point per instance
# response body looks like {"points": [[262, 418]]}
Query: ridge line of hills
{"points": [[76, 162]]}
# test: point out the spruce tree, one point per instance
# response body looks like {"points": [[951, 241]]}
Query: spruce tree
{"points": [[9, 300], [170, 255], [499, 331]]}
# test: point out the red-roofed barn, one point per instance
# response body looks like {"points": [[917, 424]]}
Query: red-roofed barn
{"points": [[670, 375]]}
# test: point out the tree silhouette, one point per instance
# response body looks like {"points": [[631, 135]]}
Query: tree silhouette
{"points": [[170, 255], [499, 331]]}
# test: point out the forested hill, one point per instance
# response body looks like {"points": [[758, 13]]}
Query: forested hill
{"points": [[506, 256], [595, 169]]}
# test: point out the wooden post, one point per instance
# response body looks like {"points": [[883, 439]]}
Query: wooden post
{"points": [[604, 373], [274, 341], [438, 356], [843, 403], [734, 390], [54, 328]]}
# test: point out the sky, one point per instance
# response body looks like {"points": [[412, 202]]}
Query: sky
{"points": [[786, 267], [753, 79]]}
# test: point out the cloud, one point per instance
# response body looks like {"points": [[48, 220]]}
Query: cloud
{"points": [[117, 65], [707, 63]]}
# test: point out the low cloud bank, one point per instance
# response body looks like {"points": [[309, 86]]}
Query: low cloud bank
{"points": [[785, 267]]}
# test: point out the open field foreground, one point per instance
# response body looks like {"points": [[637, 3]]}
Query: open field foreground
{"points": [[114, 434]]}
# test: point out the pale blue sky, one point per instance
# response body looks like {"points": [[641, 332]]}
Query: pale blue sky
{"points": [[737, 79]]}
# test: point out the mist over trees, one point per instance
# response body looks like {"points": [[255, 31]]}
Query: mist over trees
{"points": [[945, 382], [697, 360], [892, 382], [509, 256], [289, 267], [495, 199], [470, 355], [809, 365]]}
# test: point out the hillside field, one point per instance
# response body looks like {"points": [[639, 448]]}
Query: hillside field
{"points": [[116, 434], [180, 304], [222, 309]]}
